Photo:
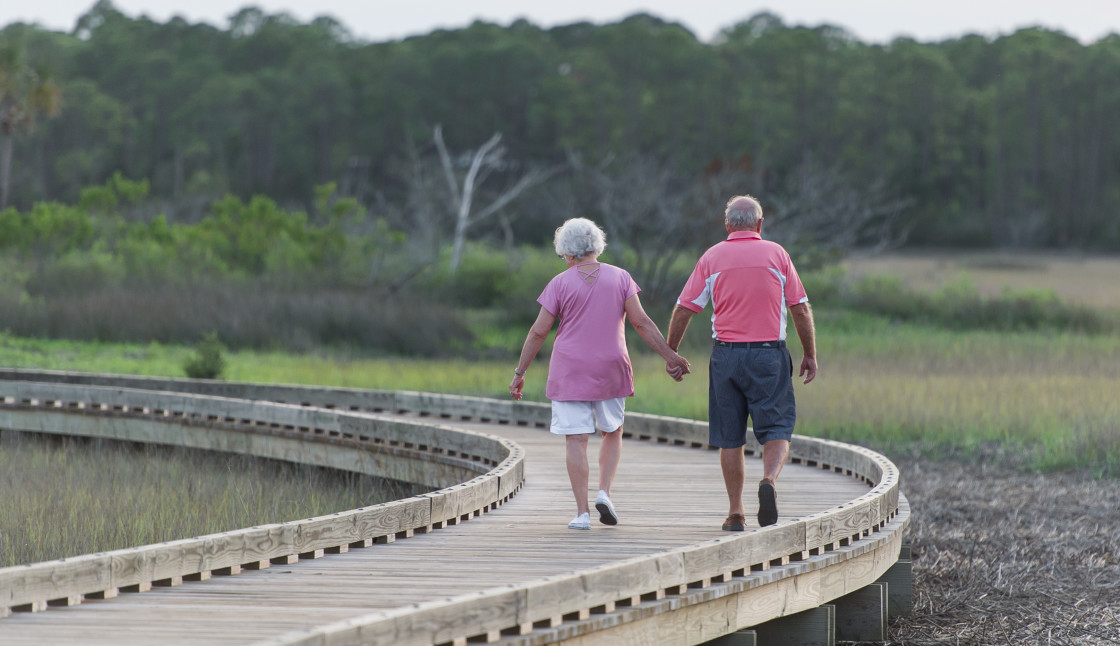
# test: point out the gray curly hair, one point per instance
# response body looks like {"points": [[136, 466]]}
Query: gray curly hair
{"points": [[743, 212], [579, 237]]}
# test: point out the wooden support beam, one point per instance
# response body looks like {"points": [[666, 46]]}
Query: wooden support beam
{"points": [[900, 595], [740, 638], [861, 616], [813, 627]]}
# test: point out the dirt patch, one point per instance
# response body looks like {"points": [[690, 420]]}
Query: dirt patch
{"points": [[1003, 557]]}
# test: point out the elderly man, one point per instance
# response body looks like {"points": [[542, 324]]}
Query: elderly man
{"points": [[749, 281]]}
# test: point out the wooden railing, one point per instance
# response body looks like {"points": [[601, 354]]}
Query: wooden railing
{"points": [[745, 579]]}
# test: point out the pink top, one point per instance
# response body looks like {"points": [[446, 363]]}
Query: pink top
{"points": [[589, 359], [749, 281]]}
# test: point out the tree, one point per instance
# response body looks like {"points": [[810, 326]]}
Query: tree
{"points": [[819, 214], [650, 214], [24, 92], [487, 158]]}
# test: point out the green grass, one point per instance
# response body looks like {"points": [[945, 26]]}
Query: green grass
{"points": [[1042, 400], [65, 497], [1049, 397]]}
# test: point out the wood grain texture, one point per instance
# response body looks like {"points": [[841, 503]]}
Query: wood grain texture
{"points": [[502, 568]]}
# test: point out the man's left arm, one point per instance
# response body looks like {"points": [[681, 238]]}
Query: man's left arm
{"points": [[803, 321]]}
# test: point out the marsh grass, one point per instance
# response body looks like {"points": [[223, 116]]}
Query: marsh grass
{"points": [[1050, 397], [66, 496]]}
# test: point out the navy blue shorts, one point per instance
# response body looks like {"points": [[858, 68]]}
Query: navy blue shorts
{"points": [[754, 382]]}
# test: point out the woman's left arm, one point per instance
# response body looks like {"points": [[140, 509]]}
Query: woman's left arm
{"points": [[676, 365], [533, 342]]}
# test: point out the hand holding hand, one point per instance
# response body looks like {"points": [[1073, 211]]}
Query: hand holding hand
{"points": [[677, 367]]}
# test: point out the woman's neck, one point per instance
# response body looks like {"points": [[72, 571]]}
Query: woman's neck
{"points": [[586, 260]]}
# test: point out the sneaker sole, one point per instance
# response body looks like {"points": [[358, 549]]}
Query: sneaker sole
{"points": [[767, 505], [606, 516]]}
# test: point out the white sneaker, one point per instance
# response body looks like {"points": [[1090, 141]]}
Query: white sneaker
{"points": [[583, 521], [606, 509]]}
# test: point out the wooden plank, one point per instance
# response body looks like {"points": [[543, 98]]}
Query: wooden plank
{"points": [[593, 571]]}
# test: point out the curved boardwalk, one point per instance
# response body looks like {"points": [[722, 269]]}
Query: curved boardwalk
{"points": [[667, 497]]}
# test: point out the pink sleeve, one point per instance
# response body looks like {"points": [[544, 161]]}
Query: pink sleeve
{"points": [[795, 291], [550, 297], [630, 286], [694, 296]]}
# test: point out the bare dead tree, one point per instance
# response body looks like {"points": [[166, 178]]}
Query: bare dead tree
{"points": [[488, 157]]}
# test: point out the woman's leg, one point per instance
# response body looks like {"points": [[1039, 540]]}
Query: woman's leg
{"points": [[577, 469], [609, 454]]}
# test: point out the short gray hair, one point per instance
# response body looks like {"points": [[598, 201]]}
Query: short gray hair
{"points": [[579, 237], [743, 212]]}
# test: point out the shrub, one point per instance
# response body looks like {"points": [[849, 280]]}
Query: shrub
{"points": [[960, 305], [249, 315], [208, 361]]}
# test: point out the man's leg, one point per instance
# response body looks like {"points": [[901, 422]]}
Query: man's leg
{"points": [[734, 471], [577, 469], [774, 455]]}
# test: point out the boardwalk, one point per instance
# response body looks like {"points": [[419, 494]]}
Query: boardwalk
{"points": [[667, 497]]}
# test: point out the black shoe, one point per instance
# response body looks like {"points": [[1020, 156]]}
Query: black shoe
{"points": [[767, 504]]}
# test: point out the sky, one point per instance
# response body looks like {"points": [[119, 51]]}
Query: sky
{"points": [[877, 21]]}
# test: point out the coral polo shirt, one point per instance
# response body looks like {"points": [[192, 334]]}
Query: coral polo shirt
{"points": [[749, 281]]}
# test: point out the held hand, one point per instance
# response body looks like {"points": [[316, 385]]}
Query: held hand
{"points": [[515, 387], [677, 367], [808, 368]]}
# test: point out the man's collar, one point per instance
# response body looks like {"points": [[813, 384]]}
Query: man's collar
{"points": [[744, 235]]}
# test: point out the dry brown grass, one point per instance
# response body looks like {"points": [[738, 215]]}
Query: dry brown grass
{"points": [[1001, 557], [1078, 279]]}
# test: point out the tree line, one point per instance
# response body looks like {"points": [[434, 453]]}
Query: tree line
{"points": [[498, 132]]}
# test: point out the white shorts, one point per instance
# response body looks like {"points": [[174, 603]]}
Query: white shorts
{"points": [[575, 418]]}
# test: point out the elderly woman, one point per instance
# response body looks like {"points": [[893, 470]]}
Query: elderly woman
{"points": [[589, 376]]}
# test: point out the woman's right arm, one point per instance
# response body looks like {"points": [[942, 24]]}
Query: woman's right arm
{"points": [[533, 342]]}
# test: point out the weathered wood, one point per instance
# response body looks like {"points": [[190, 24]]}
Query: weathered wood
{"points": [[170, 563], [862, 615], [733, 580]]}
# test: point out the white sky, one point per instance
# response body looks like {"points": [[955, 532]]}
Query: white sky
{"points": [[869, 20]]}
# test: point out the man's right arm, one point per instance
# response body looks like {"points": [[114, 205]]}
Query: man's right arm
{"points": [[803, 321], [677, 325]]}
